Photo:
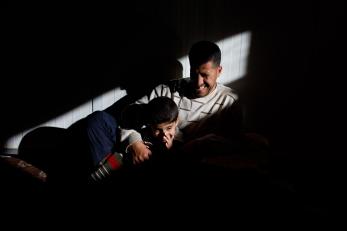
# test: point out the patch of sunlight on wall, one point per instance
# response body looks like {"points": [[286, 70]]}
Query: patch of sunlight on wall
{"points": [[235, 50], [100, 102]]}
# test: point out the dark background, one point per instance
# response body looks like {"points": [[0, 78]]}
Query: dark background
{"points": [[57, 55]]}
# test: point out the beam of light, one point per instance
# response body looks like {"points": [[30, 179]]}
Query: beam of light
{"points": [[235, 51], [100, 102]]}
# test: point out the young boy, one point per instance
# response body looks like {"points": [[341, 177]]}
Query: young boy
{"points": [[159, 119]]}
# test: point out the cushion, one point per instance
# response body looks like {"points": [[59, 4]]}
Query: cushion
{"points": [[24, 167]]}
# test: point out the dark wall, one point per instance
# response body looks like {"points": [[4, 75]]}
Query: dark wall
{"points": [[56, 57], [294, 91]]}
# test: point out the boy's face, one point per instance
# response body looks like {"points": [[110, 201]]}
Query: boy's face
{"points": [[165, 132]]}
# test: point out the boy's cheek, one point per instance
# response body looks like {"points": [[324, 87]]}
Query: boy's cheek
{"points": [[171, 136]]}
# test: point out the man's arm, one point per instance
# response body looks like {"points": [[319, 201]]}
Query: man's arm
{"points": [[139, 151], [134, 146], [130, 138]]}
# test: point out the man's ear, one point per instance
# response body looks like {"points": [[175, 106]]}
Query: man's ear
{"points": [[219, 70]]}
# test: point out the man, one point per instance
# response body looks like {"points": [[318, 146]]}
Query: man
{"points": [[207, 109]]}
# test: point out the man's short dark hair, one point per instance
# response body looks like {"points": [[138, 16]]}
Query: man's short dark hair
{"points": [[161, 110], [204, 51]]}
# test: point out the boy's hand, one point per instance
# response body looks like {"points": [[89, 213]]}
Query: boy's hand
{"points": [[168, 142], [140, 152]]}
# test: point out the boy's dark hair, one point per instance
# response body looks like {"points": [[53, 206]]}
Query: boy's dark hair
{"points": [[204, 51], [161, 110]]}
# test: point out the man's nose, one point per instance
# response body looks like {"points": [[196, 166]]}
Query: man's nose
{"points": [[199, 81]]}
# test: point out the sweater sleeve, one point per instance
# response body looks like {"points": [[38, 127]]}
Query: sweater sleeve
{"points": [[160, 90], [128, 137]]}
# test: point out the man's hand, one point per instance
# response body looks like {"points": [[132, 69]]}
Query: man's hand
{"points": [[140, 152]]}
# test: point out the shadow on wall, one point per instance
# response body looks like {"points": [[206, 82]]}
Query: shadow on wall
{"points": [[54, 63]]}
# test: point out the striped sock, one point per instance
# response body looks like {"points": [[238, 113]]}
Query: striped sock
{"points": [[110, 163]]}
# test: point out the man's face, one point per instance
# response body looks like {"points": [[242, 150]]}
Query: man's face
{"points": [[164, 132], [204, 78]]}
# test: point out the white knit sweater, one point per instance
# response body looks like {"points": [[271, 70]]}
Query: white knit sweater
{"points": [[196, 116]]}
